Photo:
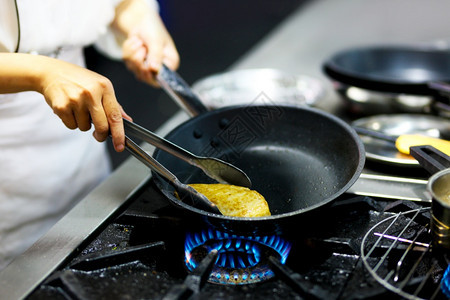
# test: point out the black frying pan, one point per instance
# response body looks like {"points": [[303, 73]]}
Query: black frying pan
{"points": [[394, 69], [299, 159]]}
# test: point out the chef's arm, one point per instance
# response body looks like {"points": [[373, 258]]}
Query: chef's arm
{"points": [[77, 95], [146, 42]]}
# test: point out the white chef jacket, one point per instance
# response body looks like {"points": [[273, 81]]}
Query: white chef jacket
{"points": [[44, 166]]}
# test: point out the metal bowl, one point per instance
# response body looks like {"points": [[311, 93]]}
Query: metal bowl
{"points": [[397, 124], [258, 86]]}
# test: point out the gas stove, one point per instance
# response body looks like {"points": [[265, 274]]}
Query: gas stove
{"points": [[150, 250], [125, 241]]}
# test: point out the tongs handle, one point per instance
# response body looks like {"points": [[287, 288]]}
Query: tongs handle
{"points": [[159, 142], [149, 161], [180, 91], [184, 191], [214, 168]]}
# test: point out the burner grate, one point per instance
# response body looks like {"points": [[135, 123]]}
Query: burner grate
{"points": [[241, 259], [397, 253]]}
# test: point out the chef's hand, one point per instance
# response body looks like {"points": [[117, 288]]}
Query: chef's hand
{"points": [[81, 97], [78, 96], [147, 43]]}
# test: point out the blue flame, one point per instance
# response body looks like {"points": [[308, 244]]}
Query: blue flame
{"points": [[237, 254]]}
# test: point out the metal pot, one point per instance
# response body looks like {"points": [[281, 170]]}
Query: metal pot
{"points": [[438, 186]]}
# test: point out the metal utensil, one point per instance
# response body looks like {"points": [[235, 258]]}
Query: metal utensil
{"points": [[404, 141], [172, 83], [184, 191], [217, 169], [381, 151], [390, 187]]}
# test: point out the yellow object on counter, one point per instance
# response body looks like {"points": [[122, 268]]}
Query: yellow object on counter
{"points": [[405, 141], [234, 201]]}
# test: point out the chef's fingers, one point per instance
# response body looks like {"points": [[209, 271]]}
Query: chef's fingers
{"points": [[158, 54], [133, 54], [155, 56], [67, 117], [98, 111], [82, 116], [58, 101], [100, 122], [171, 58], [113, 113], [142, 71], [125, 115], [135, 57]]}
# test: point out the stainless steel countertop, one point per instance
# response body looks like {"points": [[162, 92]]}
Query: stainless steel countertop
{"points": [[299, 45]]}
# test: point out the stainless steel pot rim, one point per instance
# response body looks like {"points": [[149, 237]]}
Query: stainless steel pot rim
{"points": [[258, 86], [432, 181]]}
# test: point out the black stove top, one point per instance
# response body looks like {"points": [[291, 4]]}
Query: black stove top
{"points": [[141, 254]]}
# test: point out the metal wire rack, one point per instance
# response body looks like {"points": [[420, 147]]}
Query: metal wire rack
{"points": [[397, 252]]}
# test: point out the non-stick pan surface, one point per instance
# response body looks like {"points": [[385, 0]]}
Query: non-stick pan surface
{"points": [[299, 159], [396, 69]]}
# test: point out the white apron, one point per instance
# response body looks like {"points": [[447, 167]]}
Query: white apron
{"points": [[45, 168]]}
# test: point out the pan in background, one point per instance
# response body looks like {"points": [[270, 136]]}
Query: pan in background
{"points": [[258, 87], [390, 79], [397, 124]]}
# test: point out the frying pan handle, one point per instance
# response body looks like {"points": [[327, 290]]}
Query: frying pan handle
{"points": [[440, 86], [441, 91], [180, 91], [430, 158]]}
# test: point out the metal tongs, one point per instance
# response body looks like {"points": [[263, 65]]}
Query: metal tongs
{"points": [[217, 169]]}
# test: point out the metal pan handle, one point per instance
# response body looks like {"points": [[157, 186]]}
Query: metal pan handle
{"points": [[180, 91], [430, 158], [441, 93]]}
